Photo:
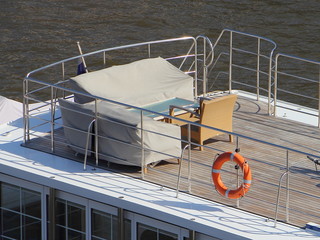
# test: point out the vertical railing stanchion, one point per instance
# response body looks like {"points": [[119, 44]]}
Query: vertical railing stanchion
{"points": [[96, 132], [149, 50], [52, 120], [270, 84], [204, 87], [179, 173], [287, 192], [143, 164], [275, 86], [189, 158], [287, 186], [278, 198], [196, 68], [319, 98], [237, 167], [63, 71], [230, 62], [26, 136], [258, 70], [89, 133], [63, 77]]}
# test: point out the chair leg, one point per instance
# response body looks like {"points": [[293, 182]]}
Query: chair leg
{"points": [[231, 138], [201, 145]]}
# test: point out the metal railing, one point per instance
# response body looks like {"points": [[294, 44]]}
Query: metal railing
{"points": [[35, 90], [187, 178], [291, 85], [232, 52]]}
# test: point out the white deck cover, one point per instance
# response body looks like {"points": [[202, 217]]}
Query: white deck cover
{"points": [[10, 110], [138, 196], [138, 83]]}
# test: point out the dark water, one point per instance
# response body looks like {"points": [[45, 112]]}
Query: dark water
{"points": [[34, 33]]}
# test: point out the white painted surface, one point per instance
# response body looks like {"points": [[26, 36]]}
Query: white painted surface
{"points": [[136, 195]]}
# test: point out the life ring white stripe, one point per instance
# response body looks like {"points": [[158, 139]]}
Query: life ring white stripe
{"points": [[231, 157], [227, 193], [216, 170]]}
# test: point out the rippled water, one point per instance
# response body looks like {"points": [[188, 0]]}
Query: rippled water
{"points": [[39, 32]]}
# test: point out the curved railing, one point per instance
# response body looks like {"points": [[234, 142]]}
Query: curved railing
{"points": [[257, 150], [251, 45]]}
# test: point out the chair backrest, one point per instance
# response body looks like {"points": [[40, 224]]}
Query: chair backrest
{"points": [[218, 113]]}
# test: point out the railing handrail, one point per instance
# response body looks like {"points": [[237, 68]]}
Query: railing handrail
{"points": [[243, 33], [172, 117], [110, 49], [270, 57], [189, 123]]}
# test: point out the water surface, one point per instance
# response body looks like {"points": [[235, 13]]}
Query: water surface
{"points": [[36, 33]]}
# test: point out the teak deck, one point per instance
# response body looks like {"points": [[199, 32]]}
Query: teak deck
{"points": [[266, 161]]}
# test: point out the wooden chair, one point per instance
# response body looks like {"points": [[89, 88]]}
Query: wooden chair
{"points": [[215, 113]]}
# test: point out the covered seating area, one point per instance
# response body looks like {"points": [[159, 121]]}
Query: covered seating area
{"points": [[110, 120]]}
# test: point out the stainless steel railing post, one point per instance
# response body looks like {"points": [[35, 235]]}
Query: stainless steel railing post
{"points": [[89, 132], [230, 62], [278, 195], [96, 134], [287, 186], [180, 166], [319, 100], [52, 119], [237, 167], [143, 161], [258, 70], [189, 158]]}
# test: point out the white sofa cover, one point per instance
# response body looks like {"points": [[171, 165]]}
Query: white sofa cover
{"points": [[119, 130], [138, 83]]}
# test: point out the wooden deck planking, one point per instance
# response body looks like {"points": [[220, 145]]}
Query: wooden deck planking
{"points": [[267, 164]]}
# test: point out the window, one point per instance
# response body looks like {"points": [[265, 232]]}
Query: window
{"points": [[103, 225], [70, 220], [20, 213], [146, 232]]}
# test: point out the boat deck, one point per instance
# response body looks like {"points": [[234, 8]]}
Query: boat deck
{"points": [[267, 162]]}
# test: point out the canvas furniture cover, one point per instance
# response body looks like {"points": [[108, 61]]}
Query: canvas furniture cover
{"points": [[138, 83], [10, 110], [120, 137]]}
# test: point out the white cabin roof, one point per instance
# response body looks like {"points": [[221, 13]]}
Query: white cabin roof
{"points": [[134, 194]]}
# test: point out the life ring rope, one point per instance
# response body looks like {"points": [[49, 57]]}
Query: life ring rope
{"points": [[216, 175]]}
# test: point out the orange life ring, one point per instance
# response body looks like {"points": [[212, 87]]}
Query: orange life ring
{"points": [[216, 169]]}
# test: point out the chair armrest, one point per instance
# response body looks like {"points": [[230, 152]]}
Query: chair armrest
{"points": [[201, 99], [204, 98], [172, 107]]}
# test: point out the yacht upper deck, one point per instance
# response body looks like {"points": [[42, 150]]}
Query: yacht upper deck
{"points": [[274, 136], [156, 195]]}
